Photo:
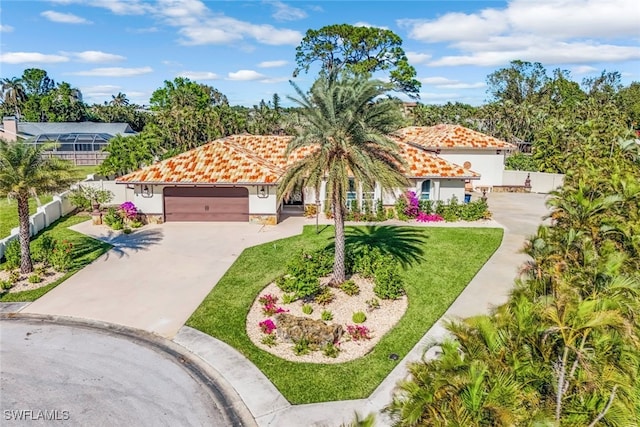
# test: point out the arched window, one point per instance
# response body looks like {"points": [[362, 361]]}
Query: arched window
{"points": [[426, 190]]}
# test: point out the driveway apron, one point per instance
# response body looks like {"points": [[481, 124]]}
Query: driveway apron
{"points": [[154, 278]]}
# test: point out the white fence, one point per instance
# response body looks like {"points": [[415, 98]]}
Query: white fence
{"points": [[44, 217], [540, 182], [61, 206]]}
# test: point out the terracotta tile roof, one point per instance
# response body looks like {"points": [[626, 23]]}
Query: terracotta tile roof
{"points": [[422, 164], [261, 159], [271, 148], [450, 136], [220, 161]]}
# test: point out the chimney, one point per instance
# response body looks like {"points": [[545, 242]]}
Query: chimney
{"points": [[10, 131]]}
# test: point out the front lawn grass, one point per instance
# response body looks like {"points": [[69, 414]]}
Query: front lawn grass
{"points": [[9, 212], [85, 251], [449, 259]]}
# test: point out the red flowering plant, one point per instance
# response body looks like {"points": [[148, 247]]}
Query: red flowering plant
{"points": [[267, 326], [425, 217], [269, 307], [358, 332]]}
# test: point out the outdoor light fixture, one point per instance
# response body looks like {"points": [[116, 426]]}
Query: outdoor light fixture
{"points": [[146, 191], [263, 192]]}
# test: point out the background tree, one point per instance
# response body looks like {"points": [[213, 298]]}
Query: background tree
{"points": [[119, 100], [361, 50], [37, 84], [349, 130], [23, 173], [129, 153], [63, 104], [13, 94]]}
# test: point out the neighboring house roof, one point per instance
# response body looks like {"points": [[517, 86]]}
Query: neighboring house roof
{"points": [[422, 164], [260, 159], [31, 129], [220, 161], [450, 137]]}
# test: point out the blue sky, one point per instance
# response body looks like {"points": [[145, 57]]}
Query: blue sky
{"points": [[246, 49]]}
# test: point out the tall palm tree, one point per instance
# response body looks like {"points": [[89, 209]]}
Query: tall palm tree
{"points": [[24, 172], [347, 126], [13, 93], [119, 100]]}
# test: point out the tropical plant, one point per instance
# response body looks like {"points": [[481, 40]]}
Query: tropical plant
{"points": [[347, 128], [25, 172]]}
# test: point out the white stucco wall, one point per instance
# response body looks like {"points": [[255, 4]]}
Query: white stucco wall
{"points": [[449, 188], [487, 163]]}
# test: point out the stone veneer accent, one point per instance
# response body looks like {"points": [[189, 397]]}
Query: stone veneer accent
{"points": [[263, 219]]}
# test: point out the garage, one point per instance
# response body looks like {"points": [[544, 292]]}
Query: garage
{"points": [[206, 204]]}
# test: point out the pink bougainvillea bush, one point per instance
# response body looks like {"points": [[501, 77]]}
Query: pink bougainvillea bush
{"points": [[425, 217]]}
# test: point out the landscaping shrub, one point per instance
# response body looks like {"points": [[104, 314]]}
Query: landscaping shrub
{"points": [[474, 211], [381, 215], [303, 273], [12, 255], [35, 278], [14, 276], [388, 282], [301, 347], [331, 350], [413, 204], [326, 315], [324, 296], [367, 210], [128, 211], [62, 256], [5, 285], [426, 206], [365, 260], [269, 340], [269, 307], [359, 317], [111, 218], [372, 304], [307, 309], [401, 208], [267, 326], [43, 249], [84, 197], [424, 217], [350, 288]]}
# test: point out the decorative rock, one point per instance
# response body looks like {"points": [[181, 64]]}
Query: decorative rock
{"points": [[291, 328]]}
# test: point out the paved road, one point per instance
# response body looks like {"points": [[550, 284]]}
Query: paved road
{"points": [[90, 377]]}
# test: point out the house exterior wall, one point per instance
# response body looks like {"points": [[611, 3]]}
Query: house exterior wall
{"points": [[487, 163], [261, 209]]}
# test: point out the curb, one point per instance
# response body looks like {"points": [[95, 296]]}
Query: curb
{"points": [[219, 388]]}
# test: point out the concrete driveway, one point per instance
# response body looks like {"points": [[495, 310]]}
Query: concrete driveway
{"points": [[154, 278]]}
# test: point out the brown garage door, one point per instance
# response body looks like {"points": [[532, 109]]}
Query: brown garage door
{"points": [[206, 204]]}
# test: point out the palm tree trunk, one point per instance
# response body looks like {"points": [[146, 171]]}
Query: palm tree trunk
{"points": [[26, 266], [339, 276]]}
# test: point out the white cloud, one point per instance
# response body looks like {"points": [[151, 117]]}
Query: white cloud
{"points": [[583, 69], [246, 75], [31, 57], [284, 12], [6, 28], [366, 24], [100, 90], [417, 58], [95, 56], [446, 83], [199, 25], [146, 30], [551, 53], [273, 64], [64, 18], [547, 31], [114, 72], [199, 75]]}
